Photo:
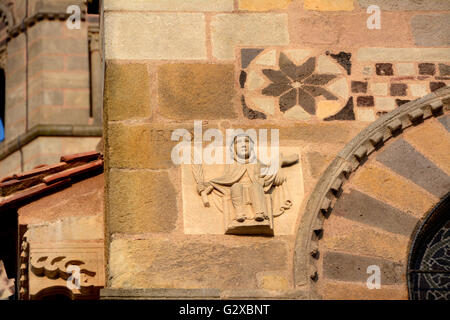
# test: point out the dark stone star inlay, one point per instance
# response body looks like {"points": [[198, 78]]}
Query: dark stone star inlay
{"points": [[297, 84]]}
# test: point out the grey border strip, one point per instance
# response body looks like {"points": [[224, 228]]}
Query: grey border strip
{"points": [[43, 130], [329, 186]]}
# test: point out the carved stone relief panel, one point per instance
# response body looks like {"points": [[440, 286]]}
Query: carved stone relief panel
{"points": [[241, 198]]}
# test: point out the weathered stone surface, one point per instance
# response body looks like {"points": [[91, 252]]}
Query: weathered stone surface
{"points": [[196, 91], [255, 29], [405, 69], [404, 54], [46, 63], [77, 63], [379, 89], [193, 262], [385, 103], [58, 115], [248, 55], [273, 282], [263, 5], [365, 101], [140, 201], [359, 87], [169, 5], [398, 89], [16, 63], [433, 141], [362, 208], [365, 114], [56, 6], [339, 133], [10, 165], [127, 91], [318, 162], [47, 98], [346, 236], [347, 267], [384, 69], [77, 99], [402, 158], [436, 86], [385, 186], [60, 80], [407, 4], [159, 36], [444, 69], [46, 28], [418, 90], [146, 294], [431, 30], [428, 69], [333, 290], [329, 5], [445, 120], [58, 46], [70, 228], [140, 146]]}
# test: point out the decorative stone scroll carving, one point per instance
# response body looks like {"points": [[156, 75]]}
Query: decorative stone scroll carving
{"points": [[6, 285], [50, 267], [250, 193]]}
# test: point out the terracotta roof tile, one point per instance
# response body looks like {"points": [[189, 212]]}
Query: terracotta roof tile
{"points": [[22, 186], [81, 156], [43, 170], [73, 171], [31, 192]]}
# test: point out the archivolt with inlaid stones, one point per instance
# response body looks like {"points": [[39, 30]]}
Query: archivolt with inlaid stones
{"points": [[330, 187]]}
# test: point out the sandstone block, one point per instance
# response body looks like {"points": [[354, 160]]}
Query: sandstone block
{"points": [[170, 5], [140, 146], [431, 30], [329, 5], [229, 31], [193, 262], [140, 201], [404, 54], [156, 36], [263, 5], [127, 91], [196, 91], [407, 4]]}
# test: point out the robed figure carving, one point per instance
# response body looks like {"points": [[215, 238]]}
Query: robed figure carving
{"points": [[249, 193]]}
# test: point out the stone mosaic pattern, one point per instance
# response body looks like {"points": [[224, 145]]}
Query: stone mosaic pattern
{"points": [[293, 84], [385, 86], [304, 84]]}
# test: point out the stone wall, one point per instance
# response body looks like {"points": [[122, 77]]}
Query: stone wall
{"points": [[233, 64]]}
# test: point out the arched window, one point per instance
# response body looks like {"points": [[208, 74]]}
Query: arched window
{"points": [[429, 263]]}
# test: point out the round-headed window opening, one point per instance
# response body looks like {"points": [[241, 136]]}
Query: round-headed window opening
{"points": [[429, 259]]}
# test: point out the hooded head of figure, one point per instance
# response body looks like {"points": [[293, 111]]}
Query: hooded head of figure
{"points": [[243, 148]]}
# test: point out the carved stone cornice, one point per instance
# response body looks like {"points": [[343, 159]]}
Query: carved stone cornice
{"points": [[328, 188], [49, 264], [38, 16]]}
